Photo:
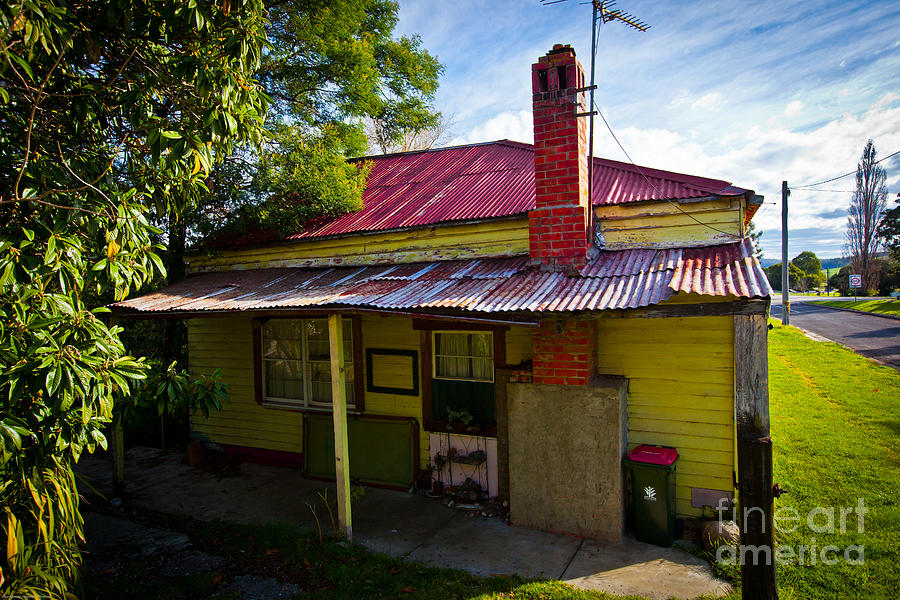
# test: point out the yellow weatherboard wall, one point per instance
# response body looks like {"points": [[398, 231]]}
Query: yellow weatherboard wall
{"points": [[474, 240], [395, 333], [680, 392], [226, 343], [661, 224]]}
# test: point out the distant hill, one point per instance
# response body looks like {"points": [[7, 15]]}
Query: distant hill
{"points": [[834, 263], [827, 263]]}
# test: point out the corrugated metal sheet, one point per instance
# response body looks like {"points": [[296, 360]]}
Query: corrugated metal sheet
{"points": [[614, 280], [618, 183], [483, 181]]}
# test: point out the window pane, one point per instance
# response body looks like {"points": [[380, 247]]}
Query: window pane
{"points": [[281, 339], [482, 369], [482, 345], [453, 368], [317, 337], [320, 382], [283, 379], [287, 366], [464, 356]]}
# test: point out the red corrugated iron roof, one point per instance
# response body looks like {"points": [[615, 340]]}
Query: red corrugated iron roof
{"points": [[490, 180], [614, 280]]}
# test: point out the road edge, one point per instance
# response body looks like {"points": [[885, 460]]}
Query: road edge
{"points": [[852, 310]]}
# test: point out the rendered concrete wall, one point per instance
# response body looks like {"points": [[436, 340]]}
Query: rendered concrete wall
{"points": [[566, 445]]}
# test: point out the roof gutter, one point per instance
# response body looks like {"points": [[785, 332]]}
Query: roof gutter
{"points": [[130, 313]]}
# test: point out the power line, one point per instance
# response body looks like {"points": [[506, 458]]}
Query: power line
{"points": [[808, 185], [653, 185]]}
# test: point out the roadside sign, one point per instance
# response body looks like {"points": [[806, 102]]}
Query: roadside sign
{"points": [[856, 281]]}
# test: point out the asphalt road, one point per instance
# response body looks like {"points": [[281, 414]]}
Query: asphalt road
{"points": [[875, 337]]}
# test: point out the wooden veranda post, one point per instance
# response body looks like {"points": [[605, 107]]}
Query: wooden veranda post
{"points": [[118, 451], [117, 446], [755, 487], [339, 410]]}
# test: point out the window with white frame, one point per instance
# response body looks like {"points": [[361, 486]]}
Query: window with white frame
{"points": [[464, 356], [296, 362]]}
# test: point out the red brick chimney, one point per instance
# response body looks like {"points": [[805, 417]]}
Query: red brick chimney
{"points": [[558, 225]]}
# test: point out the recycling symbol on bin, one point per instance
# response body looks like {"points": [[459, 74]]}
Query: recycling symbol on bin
{"points": [[650, 493]]}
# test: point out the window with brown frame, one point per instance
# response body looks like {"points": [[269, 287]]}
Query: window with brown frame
{"points": [[293, 363], [459, 374]]}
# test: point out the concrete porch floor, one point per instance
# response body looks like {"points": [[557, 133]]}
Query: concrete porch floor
{"points": [[407, 525]]}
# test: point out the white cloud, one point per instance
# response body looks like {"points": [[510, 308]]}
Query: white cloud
{"points": [[518, 126], [706, 101], [762, 157], [793, 108]]}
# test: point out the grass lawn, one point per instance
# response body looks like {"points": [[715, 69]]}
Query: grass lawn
{"points": [[835, 426], [888, 307]]}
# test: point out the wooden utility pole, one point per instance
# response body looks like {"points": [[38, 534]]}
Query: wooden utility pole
{"points": [[339, 410], [755, 484], [785, 277]]}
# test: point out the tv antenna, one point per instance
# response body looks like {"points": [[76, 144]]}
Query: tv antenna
{"points": [[603, 12]]}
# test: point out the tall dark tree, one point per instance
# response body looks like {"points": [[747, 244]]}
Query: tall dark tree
{"points": [[333, 66], [866, 210], [889, 230], [111, 115]]}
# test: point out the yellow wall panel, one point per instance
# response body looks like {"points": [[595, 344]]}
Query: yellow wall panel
{"points": [[226, 343], [395, 333], [680, 392], [668, 224], [518, 344]]}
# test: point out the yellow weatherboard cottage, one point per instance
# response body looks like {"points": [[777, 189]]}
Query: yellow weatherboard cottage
{"points": [[492, 315]]}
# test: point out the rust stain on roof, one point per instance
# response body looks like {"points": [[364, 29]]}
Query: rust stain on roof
{"points": [[614, 280]]}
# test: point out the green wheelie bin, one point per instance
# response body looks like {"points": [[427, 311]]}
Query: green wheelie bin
{"points": [[653, 493]]}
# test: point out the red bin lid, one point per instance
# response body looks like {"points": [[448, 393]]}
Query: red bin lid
{"points": [[654, 455]]}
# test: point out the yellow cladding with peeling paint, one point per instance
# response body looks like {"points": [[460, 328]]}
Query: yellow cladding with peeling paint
{"points": [[226, 343], [474, 240], [680, 393], [649, 224], [662, 224]]}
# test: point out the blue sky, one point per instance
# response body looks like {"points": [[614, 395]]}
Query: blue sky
{"points": [[755, 93]]}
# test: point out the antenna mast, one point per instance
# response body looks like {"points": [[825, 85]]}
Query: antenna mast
{"points": [[603, 12]]}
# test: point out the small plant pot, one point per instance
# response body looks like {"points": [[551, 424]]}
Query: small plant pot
{"points": [[437, 488]]}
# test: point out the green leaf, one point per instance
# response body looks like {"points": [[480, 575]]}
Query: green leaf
{"points": [[54, 376], [12, 435]]}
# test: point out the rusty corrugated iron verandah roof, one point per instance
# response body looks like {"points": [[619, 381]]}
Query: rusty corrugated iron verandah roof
{"points": [[614, 280]]}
